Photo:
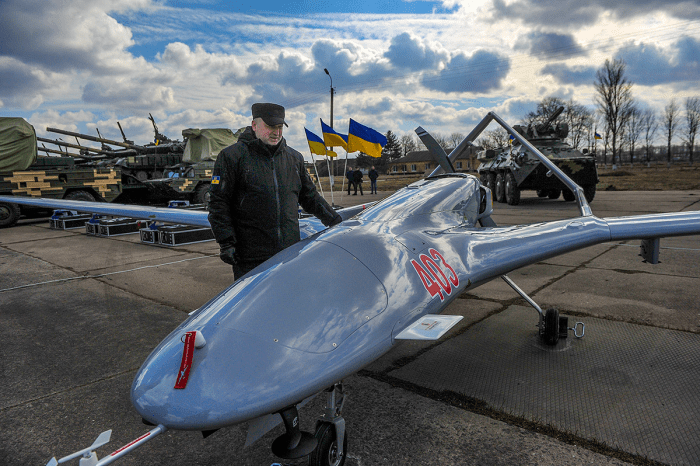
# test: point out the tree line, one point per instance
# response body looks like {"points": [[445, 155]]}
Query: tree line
{"points": [[619, 123]]}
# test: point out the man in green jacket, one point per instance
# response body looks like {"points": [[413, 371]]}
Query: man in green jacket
{"points": [[257, 186]]}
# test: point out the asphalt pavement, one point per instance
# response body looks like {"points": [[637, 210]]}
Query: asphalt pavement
{"points": [[79, 314]]}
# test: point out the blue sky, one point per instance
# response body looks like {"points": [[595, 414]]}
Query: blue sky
{"points": [[395, 64]]}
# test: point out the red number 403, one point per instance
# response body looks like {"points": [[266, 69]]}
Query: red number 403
{"points": [[432, 270]]}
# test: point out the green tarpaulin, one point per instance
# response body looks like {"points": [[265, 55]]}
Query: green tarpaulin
{"points": [[205, 144], [17, 144]]}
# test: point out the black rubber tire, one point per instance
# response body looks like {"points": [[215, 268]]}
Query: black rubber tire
{"points": [[512, 190], [80, 196], [491, 183], [201, 194], [589, 192], [9, 214], [542, 193], [550, 335], [500, 188], [554, 193], [568, 195], [326, 453]]}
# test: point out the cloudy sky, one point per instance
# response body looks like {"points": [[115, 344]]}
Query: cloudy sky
{"points": [[395, 64]]}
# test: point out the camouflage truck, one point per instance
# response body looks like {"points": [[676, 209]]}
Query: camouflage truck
{"points": [[24, 173], [190, 179], [509, 171]]}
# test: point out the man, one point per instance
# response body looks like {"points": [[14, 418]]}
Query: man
{"points": [[373, 175], [357, 180], [257, 186], [348, 175]]}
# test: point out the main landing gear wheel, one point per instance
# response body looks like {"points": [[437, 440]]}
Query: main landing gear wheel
{"points": [[550, 332], [326, 454]]}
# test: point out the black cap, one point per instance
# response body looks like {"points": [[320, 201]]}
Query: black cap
{"points": [[272, 114]]}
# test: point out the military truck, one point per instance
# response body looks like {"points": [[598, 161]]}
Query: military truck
{"points": [[24, 173], [190, 179], [510, 170]]}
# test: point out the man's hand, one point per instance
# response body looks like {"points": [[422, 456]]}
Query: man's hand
{"points": [[228, 254]]}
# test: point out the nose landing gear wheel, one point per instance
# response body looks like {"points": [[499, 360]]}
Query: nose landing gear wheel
{"points": [[326, 454]]}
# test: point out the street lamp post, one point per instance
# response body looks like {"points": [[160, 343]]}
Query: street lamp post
{"points": [[332, 92], [331, 176]]}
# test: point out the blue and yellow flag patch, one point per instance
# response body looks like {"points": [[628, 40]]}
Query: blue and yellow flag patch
{"points": [[215, 179]]}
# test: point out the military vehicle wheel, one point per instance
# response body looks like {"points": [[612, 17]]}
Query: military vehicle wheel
{"points": [[542, 193], [80, 196], [512, 190], [491, 183], [9, 214], [500, 188], [201, 195], [568, 195], [589, 192], [550, 333], [326, 453], [554, 193]]}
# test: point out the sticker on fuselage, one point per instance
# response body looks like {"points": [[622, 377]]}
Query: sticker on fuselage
{"points": [[438, 277]]}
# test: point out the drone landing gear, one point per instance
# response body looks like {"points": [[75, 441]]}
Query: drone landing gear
{"points": [[330, 431], [551, 325], [294, 443]]}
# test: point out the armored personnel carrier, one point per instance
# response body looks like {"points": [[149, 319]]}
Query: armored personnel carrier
{"points": [[509, 171], [190, 179]]}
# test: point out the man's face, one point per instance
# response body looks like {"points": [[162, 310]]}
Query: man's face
{"points": [[271, 135]]}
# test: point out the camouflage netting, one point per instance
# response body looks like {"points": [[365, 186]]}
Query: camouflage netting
{"points": [[17, 144], [205, 144]]}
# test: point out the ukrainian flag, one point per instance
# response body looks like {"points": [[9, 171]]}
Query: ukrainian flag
{"points": [[316, 145], [365, 139], [332, 138], [598, 136]]}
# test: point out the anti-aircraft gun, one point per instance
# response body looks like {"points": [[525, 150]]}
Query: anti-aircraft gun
{"points": [[508, 171]]}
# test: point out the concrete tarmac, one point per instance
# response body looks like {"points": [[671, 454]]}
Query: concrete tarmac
{"points": [[79, 314]]}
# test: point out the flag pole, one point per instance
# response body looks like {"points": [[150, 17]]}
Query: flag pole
{"points": [[316, 170], [330, 180]]}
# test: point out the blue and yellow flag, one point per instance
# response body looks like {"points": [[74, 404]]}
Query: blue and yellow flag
{"points": [[598, 136], [332, 138], [365, 139], [316, 145]]}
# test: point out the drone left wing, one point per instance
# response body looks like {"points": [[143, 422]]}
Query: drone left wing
{"points": [[308, 226]]}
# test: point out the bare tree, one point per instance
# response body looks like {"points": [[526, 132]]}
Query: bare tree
{"points": [[649, 125], [633, 130], [408, 144], [614, 101], [496, 139], [670, 125], [692, 118], [579, 118], [545, 109], [455, 139]]}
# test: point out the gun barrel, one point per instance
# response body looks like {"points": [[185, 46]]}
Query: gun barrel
{"points": [[67, 144], [554, 116], [94, 139]]}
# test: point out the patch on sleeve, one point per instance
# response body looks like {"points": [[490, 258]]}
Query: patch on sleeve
{"points": [[215, 179]]}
